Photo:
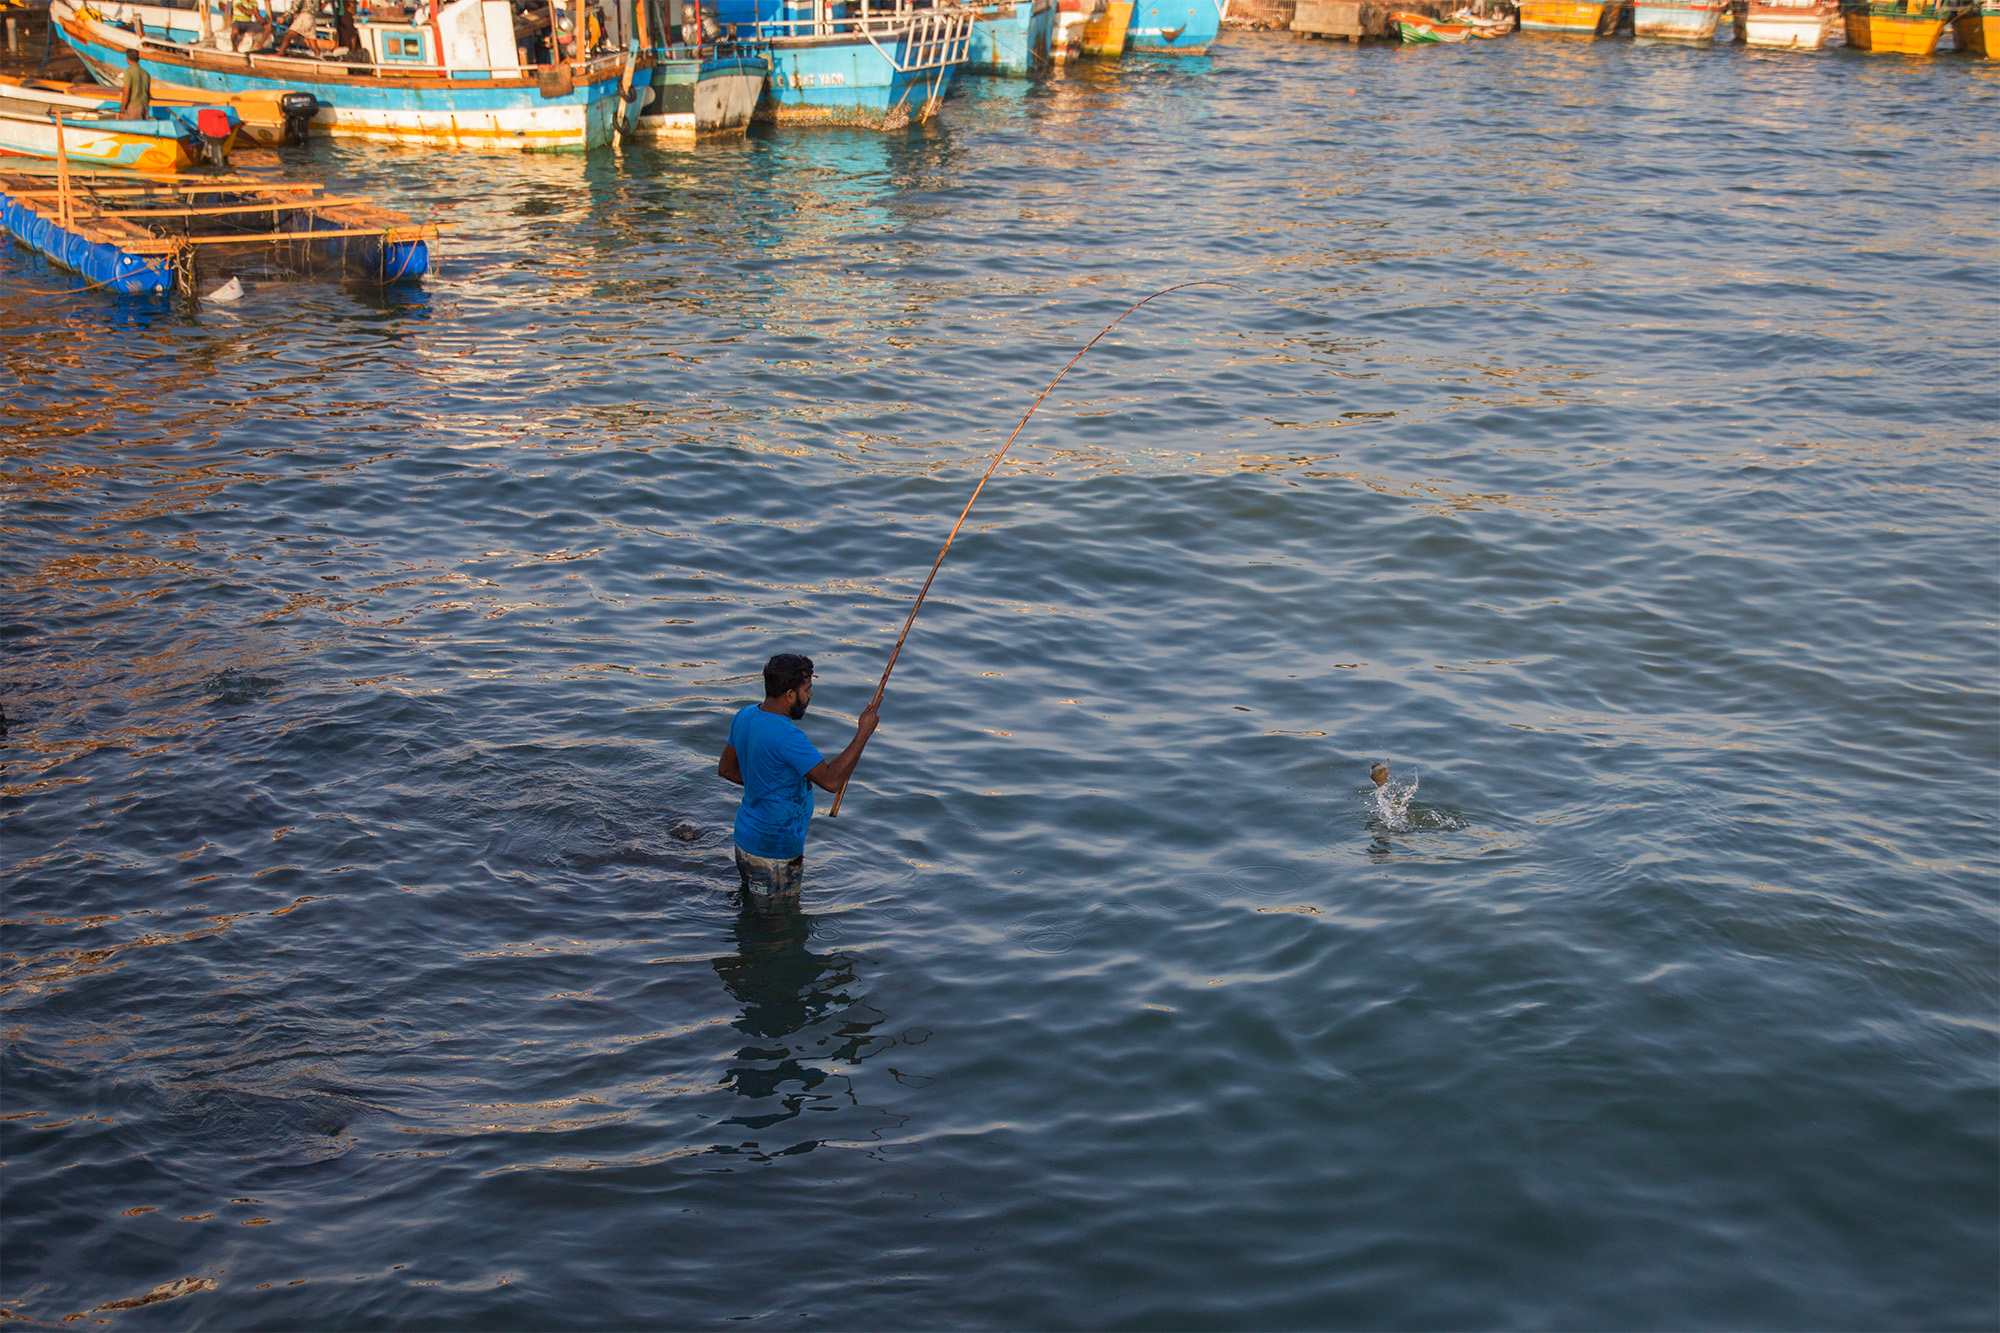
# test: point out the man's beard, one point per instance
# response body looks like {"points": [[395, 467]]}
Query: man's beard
{"points": [[798, 711]]}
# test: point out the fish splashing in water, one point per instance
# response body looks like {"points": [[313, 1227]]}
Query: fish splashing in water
{"points": [[1392, 800]]}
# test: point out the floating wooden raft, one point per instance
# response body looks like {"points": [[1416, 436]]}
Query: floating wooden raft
{"points": [[134, 232]]}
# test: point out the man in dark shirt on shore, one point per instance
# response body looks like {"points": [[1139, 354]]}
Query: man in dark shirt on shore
{"points": [[137, 97], [771, 759]]}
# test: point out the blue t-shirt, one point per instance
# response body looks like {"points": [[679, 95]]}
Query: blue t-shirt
{"points": [[775, 757]]}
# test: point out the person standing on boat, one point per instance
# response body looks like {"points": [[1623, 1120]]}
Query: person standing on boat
{"points": [[777, 767], [137, 98], [301, 20]]}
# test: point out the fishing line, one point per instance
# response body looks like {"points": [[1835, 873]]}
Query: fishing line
{"points": [[897, 651]]}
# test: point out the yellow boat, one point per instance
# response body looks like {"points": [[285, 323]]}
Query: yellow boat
{"points": [[1105, 34], [270, 115], [1584, 18], [1906, 27], [1979, 33]]}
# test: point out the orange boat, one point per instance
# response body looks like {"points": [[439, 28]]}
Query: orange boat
{"points": [[1907, 27]]}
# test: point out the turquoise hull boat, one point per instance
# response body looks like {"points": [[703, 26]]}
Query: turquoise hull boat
{"points": [[879, 68], [1011, 38], [439, 81], [1175, 27]]}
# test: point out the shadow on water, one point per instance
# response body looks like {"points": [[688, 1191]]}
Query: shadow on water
{"points": [[800, 1014]]}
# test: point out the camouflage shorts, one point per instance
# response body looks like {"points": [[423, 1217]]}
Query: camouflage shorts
{"points": [[768, 881]]}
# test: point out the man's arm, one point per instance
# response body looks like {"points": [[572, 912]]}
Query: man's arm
{"points": [[832, 774], [726, 767]]}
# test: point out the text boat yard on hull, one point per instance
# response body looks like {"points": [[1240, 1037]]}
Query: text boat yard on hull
{"points": [[138, 234], [452, 75], [880, 66]]}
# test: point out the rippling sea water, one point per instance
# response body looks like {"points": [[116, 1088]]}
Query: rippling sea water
{"points": [[1601, 434]]}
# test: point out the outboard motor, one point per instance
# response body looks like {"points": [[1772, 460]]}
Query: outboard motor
{"points": [[213, 122], [298, 110]]}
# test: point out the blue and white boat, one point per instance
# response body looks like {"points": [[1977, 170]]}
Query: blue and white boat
{"points": [[1176, 27], [696, 91], [697, 85], [1011, 37], [92, 134], [850, 62], [454, 72]]}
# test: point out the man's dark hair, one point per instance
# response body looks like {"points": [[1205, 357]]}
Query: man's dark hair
{"points": [[786, 671]]}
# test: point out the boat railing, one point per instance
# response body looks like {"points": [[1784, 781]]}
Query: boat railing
{"points": [[307, 67], [310, 67], [728, 48], [911, 40]]}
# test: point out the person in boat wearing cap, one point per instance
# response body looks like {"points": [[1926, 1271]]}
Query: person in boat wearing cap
{"points": [[136, 99], [777, 767]]}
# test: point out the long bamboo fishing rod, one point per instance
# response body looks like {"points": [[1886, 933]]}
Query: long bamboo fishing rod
{"points": [[923, 592]]}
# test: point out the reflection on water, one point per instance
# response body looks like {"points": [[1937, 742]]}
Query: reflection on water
{"points": [[805, 1023]]}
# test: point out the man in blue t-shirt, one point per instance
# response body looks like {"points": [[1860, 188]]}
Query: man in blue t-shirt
{"points": [[771, 759]]}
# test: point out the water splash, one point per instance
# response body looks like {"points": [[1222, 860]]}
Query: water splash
{"points": [[1392, 803]]}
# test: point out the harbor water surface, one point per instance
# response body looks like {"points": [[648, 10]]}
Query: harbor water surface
{"points": [[1601, 434]]}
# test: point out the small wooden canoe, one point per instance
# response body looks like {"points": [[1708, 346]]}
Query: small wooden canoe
{"points": [[1463, 26]]}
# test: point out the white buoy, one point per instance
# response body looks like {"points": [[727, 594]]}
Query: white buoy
{"points": [[228, 291]]}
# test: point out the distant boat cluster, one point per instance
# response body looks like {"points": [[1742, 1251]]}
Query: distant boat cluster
{"points": [[568, 74], [1911, 27], [180, 86]]}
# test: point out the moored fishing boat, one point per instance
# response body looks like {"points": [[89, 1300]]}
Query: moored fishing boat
{"points": [[1979, 31], [451, 72], [273, 116], [696, 91], [1579, 18], [1010, 37], [92, 132], [1803, 25], [1175, 27], [695, 86], [1463, 26], [136, 233], [145, 145], [1677, 20], [874, 65], [1073, 19], [1104, 36], [1906, 27]]}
